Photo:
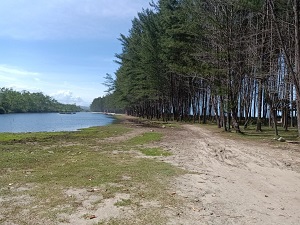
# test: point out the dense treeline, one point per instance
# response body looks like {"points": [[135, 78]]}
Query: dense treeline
{"points": [[105, 104], [229, 60], [22, 102]]}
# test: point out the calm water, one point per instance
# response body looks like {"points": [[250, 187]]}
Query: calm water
{"points": [[38, 122]]}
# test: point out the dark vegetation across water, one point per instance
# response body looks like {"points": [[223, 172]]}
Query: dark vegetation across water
{"points": [[234, 61], [25, 102]]}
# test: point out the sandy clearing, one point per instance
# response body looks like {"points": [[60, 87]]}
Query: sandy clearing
{"points": [[233, 182], [94, 208]]}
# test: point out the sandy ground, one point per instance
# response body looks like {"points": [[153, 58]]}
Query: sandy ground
{"points": [[228, 182], [233, 182]]}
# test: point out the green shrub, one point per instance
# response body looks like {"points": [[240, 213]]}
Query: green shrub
{"points": [[2, 110]]}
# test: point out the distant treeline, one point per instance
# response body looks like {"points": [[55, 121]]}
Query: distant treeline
{"points": [[105, 104], [12, 101]]}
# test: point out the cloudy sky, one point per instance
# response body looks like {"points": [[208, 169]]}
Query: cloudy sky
{"points": [[62, 48]]}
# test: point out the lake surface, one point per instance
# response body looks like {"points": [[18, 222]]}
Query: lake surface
{"points": [[39, 122]]}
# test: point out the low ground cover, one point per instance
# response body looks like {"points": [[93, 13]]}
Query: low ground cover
{"points": [[56, 178]]}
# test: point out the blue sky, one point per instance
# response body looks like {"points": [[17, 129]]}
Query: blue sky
{"points": [[62, 48]]}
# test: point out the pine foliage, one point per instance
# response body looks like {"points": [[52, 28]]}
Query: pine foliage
{"points": [[230, 61]]}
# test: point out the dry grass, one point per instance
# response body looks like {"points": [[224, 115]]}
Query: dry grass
{"points": [[37, 169]]}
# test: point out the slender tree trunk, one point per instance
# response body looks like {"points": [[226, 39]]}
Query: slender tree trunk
{"points": [[259, 106], [274, 116], [215, 106], [222, 114], [204, 106], [235, 121], [292, 105], [297, 58], [286, 118], [254, 100]]}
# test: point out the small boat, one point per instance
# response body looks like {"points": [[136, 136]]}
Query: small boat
{"points": [[67, 112]]}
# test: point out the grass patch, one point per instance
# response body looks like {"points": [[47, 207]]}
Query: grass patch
{"points": [[154, 122], [123, 202], [146, 217], [48, 137], [22, 137], [269, 132], [155, 152], [250, 133], [145, 138], [36, 170]]}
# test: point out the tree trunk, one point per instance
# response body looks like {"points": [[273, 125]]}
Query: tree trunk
{"points": [[292, 107], [215, 105], [222, 114], [274, 116], [204, 106], [259, 106], [235, 121], [297, 59]]}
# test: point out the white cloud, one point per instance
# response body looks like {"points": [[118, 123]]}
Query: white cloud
{"points": [[56, 19], [18, 79], [9, 71], [67, 97], [21, 79]]}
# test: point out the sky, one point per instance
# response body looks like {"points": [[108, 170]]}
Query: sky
{"points": [[63, 48]]}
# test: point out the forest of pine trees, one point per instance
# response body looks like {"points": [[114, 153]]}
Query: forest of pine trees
{"points": [[231, 61]]}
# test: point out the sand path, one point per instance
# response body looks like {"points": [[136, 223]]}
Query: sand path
{"points": [[233, 182]]}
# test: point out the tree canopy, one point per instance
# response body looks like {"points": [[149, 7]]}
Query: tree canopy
{"points": [[232, 61], [12, 101]]}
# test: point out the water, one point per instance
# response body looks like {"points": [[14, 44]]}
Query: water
{"points": [[40, 122]]}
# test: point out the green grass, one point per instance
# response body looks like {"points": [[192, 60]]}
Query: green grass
{"points": [[51, 163], [48, 137], [155, 152], [250, 133], [123, 202], [269, 132], [22, 137], [145, 138], [153, 217]]}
